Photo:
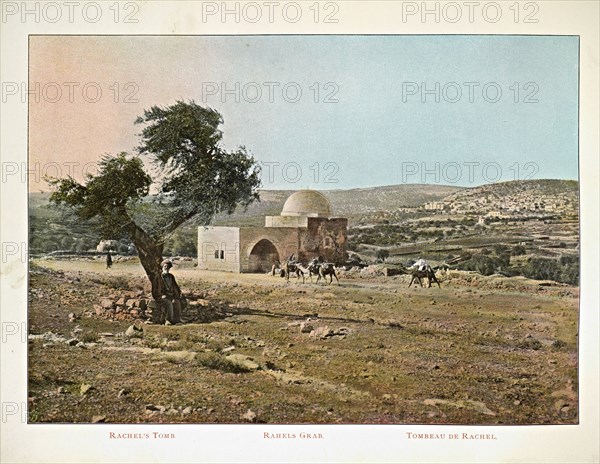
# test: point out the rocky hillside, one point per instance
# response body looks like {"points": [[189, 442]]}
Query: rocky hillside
{"points": [[546, 195]]}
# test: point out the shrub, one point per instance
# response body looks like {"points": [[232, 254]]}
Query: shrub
{"points": [[217, 362], [564, 269]]}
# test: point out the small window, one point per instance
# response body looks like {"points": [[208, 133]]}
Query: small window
{"points": [[222, 254], [216, 254]]}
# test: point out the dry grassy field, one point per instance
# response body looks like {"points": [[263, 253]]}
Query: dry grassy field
{"points": [[478, 350]]}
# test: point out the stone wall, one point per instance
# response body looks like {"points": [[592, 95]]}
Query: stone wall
{"points": [[219, 248], [141, 306], [285, 240], [324, 237]]}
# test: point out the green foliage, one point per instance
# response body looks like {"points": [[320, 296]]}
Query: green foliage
{"points": [[196, 179], [518, 250], [487, 263], [120, 184], [383, 254], [565, 269], [182, 243], [199, 178], [59, 228]]}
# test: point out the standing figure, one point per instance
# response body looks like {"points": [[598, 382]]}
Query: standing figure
{"points": [[109, 261]]}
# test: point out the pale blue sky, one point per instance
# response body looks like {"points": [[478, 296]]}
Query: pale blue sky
{"points": [[373, 134]]}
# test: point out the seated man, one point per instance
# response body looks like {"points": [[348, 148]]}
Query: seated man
{"points": [[170, 294]]}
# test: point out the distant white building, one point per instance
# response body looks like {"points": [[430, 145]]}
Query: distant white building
{"points": [[435, 206]]}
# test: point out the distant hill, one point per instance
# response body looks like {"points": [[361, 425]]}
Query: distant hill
{"points": [[344, 202], [544, 195]]}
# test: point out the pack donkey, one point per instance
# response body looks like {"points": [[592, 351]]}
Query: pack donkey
{"points": [[322, 269], [290, 266], [428, 273]]}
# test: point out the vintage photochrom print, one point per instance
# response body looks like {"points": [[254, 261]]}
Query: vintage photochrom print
{"points": [[297, 237]]}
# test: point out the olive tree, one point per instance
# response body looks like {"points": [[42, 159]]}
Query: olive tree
{"points": [[189, 177]]}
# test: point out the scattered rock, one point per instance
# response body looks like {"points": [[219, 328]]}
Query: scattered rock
{"points": [[85, 387], [322, 332], [72, 342], [155, 408], [243, 361], [249, 416], [96, 419], [179, 356], [305, 327], [460, 404], [106, 303], [187, 410], [134, 331]]}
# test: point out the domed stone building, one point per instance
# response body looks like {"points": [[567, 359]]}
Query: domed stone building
{"points": [[305, 228]]}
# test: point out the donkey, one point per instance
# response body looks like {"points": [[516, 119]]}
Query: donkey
{"points": [[327, 269], [419, 274], [321, 270], [291, 267], [313, 268]]}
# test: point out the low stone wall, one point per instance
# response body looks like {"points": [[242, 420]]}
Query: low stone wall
{"points": [[140, 305]]}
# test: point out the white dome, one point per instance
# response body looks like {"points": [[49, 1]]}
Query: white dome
{"points": [[308, 203]]}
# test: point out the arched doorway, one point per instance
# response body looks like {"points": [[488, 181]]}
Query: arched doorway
{"points": [[263, 256]]}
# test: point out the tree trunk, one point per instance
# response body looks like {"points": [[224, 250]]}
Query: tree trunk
{"points": [[150, 254]]}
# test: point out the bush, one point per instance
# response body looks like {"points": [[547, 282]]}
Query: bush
{"points": [[486, 263], [518, 250], [565, 269], [217, 362], [383, 254]]}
